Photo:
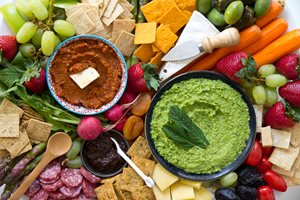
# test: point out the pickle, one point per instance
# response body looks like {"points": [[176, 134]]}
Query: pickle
{"points": [[204, 6], [216, 18], [262, 7], [74, 164]]}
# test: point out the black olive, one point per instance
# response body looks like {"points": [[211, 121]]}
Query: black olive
{"points": [[226, 194], [250, 177], [221, 5], [248, 2], [246, 192], [247, 19]]}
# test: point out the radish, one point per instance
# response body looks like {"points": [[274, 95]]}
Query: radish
{"points": [[127, 97], [89, 128], [120, 125], [115, 113]]}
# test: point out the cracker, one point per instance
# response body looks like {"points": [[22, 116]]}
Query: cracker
{"points": [[143, 193], [118, 192], [118, 179], [144, 52], [120, 25], [70, 10], [285, 172], [130, 180], [81, 21], [126, 5], [175, 18], [126, 14], [147, 166], [115, 14], [127, 195], [94, 15], [125, 43], [3, 153], [98, 3], [7, 107], [9, 125], [38, 130], [145, 33], [289, 180], [103, 8], [139, 148], [281, 138], [106, 192], [266, 136], [2, 147], [284, 158], [295, 134], [110, 180], [165, 38], [27, 148], [110, 8], [106, 32], [155, 9]]}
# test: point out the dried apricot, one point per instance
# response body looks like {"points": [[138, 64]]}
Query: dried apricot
{"points": [[133, 127], [142, 105]]}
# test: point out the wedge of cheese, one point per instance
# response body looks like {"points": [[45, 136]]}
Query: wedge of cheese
{"points": [[203, 194], [85, 77], [163, 178], [180, 191], [162, 195], [194, 184]]}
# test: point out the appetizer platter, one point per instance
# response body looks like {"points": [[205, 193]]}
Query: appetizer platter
{"points": [[149, 100]]}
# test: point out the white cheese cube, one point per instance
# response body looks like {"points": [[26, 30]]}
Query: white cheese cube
{"points": [[181, 191], [295, 137], [259, 109], [194, 184], [163, 178], [281, 139], [203, 194], [85, 77], [165, 195], [266, 136]]}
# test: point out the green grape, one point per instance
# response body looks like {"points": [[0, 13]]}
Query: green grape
{"points": [[249, 94], [12, 17], [27, 50], [37, 37], [275, 80], [24, 9], [259, 94], [26, 32], [62, 37], [45, 3], [65, 28], [266, 70], [38, 9], [57, 41], [48, 43], [272, 96], [246, 84], [229, 179]]}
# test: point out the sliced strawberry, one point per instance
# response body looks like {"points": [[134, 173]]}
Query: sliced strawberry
{"points": [[291, 93], [289, 66], [8, 46]]}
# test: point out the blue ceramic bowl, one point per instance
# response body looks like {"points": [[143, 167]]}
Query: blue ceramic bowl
{"points": [[78, 109]]}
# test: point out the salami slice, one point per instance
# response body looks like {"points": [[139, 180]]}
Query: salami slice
{"points": [[57, 195], [52, 187], [88, 189], [34, 188], [89, 176], [48, 182], [41, 195], [83, 197], [51, 172], [71, 177], [71, 192]]}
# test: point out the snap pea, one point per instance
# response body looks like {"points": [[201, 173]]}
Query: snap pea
{"points": [[261, 7], [216, 17], [234, 12], [74, 164], [203, 6], [74, 151]]}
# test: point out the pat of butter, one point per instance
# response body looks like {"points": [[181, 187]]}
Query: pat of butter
{"points": [[85, 77]]}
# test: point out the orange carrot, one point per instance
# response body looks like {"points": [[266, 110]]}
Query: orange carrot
{"points": [[275, 9], [284, 45], [270, 32], [248, 36]]}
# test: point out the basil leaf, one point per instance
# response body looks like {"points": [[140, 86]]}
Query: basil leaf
{"points": [[177, 136]]}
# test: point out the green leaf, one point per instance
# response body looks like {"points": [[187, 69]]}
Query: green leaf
{"points": [[177, 136], [31, 71], [150, 76], [9, 76]]}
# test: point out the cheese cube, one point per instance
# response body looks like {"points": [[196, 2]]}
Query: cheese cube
{"points": [[281, 139], [203, 194], [259, 109], [266, 136], [163, 178], [180, 191], [194, 184], [165, 195], [85, 77]]}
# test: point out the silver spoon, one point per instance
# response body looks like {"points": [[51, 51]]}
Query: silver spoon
{"points": [[149, 181]]}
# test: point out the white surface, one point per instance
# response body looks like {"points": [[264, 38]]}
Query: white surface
{"points": [[291, 14]]}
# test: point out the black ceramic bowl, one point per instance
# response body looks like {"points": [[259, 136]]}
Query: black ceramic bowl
{"points": [[116, 135], [191, 176]]}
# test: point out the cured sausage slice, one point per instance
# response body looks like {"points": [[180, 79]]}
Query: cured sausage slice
{"points": [[57, 195], [70, 192], [51, 172], [41, 195], [88, 189], [53, 187], [89, 176], [71, 177]]}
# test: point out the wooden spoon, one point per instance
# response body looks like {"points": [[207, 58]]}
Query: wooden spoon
{"points": [[58, 145]]}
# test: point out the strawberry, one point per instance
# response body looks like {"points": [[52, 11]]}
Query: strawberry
{"points": [[142, 77], [291, 93], [36, 84], [237, 66], [127, 97], [8, 46], [289, 66]]}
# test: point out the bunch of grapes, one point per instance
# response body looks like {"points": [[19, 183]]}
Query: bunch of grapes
{"points": [[40, 31]]}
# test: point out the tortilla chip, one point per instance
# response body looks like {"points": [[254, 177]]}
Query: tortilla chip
{"points": [[145, 33], [284, 158], [126, 5], [9, 125], [130, 180], [7, 107], [175, 18], [189, 5], [165, 38], [110, 8], [3, 153], [188, 14], [98, 3], [81, 21], [103, 8], [118, 192], [143, 193], [27, 148], [106, 192], [139, 148], [125, 43], [38, 130], [295, 134], [285, 172], [110, 180], [126, 14], [15, 145], [147, 166], [115, 14], [120, 25], [157, 8], [156, 60], [127, 195], [94, 15], [144, 52]]}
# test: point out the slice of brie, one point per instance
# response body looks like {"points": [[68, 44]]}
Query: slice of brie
{"points": [[85, 77]]}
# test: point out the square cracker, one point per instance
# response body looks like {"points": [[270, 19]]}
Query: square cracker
{"points": [[126, 5], [120, 25], [118, 192], [126, 14], [147, 166], [110, 8], [111, 180], [15, 145], [175, 18], [2, 147], [3, 153], [130, 180], [143, 193], [295, 134], [115, 14], [155, 9], [84, 6], [106, 192], [38, 131], [7, 107], [139, 148], [165, 38], [125, 43], [27, 148], [94, 15], [81, 21], [98, 3], [284, 158], [127, 195], [103, 8], [9, 125], [284, 172]]}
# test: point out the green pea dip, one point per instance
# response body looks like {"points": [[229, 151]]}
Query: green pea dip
{"points": [[218, 110]]}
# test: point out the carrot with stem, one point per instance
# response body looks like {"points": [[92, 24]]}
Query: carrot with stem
{"points": [[275, 9]]}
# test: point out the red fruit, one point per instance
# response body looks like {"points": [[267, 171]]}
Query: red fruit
{"points": [[265, 193], [291, 93], [9, 46], [264, 165], [275, 180], [288, 66], [277, 117], [127, 97], [267, 151], [255, 154], [37, 84], [120, 125], [89, 128], [114, 113]]}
